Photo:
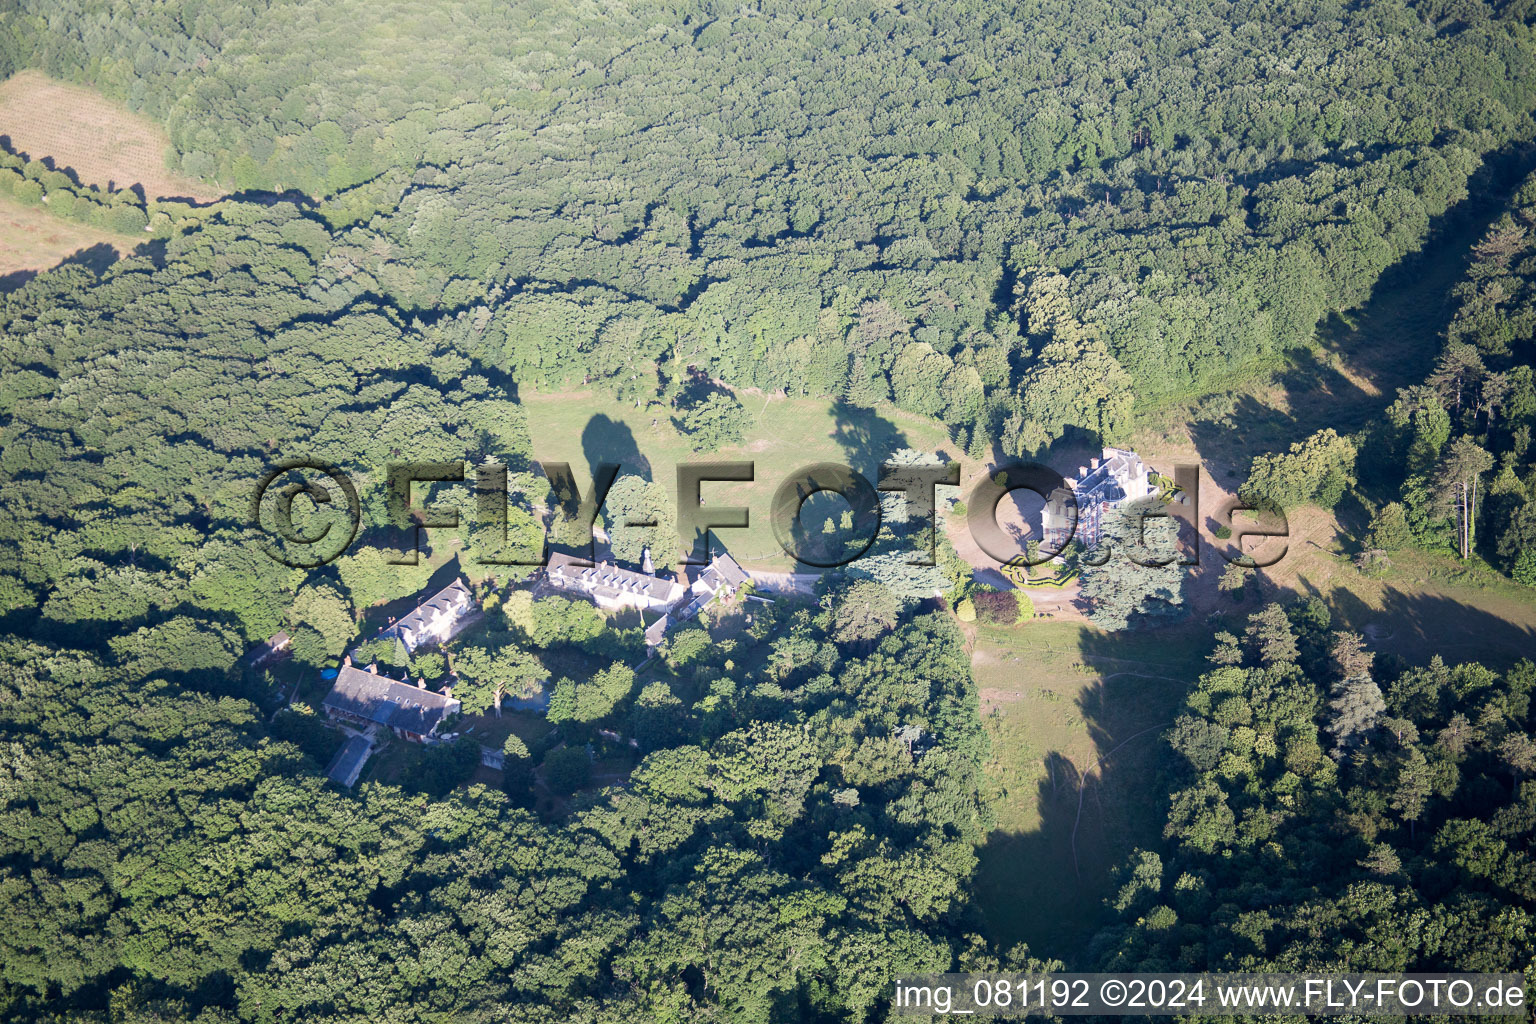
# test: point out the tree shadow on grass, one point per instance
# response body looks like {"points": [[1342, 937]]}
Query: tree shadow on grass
{"points": [[867, 441], [96, 258], [866, 438], [1046, 887], [1391, 341], [15, 279], [607, 440], [1229, 438], [1416, 626]]}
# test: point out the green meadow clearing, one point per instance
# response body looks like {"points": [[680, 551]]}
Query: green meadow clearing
{"points": [[586, 429], [1074, 715], [1064, 701]]}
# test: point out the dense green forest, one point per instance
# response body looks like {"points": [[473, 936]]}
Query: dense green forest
{"points": [[1448, 467], [1019, 218], [1028, 221], [1328, 811], [164, 854]]}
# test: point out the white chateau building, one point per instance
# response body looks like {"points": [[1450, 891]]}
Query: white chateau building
{"points": [[614, 588], [1117, 477], [434, 619]]}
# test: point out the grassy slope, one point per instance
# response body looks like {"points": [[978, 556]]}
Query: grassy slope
{"points": [[32, 239], [1061, 701]]}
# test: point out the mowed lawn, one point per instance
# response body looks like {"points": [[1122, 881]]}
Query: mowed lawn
{"points": [[587, 428], [103, 142], [1063, 702]]}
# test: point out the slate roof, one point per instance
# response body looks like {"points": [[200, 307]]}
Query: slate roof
{"points": [[606, 579], [388, 701], [349, 760], [723, 570], [270, 648], [1104, 484], [450, 602], [1107, 481], [656, 632]]}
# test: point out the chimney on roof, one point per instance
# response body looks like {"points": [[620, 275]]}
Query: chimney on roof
{"points": [[1082, 471], [373, 669], [1094, 463], [347, 661], [421, 682]]}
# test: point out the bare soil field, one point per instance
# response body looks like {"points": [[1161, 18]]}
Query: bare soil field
{"points": [[103, 142]]}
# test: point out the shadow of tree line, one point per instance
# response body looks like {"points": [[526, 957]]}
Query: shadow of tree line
{"points": [[1092, 816], [1049, 885], [1394, 338], [95, 258]]}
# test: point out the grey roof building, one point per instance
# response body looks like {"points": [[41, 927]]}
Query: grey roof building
{"points": [[1119, 476], [721, 578], [269, 649], [722, 573], [612, 586], [367, 697], [348, 763], [656, 632], [434, 619]]}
